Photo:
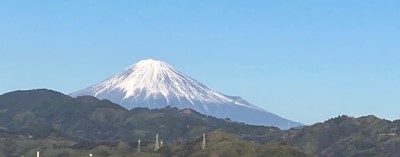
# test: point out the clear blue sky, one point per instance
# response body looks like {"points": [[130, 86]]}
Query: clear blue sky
{"points": [[304, 60]]}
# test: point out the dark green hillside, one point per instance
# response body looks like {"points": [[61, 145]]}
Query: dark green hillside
{"points": [[60, 125], [41, 112], [172, 124], [220, 144], [348, 136]]}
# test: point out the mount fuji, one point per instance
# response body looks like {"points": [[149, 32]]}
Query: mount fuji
{"points": [[156, 84]]}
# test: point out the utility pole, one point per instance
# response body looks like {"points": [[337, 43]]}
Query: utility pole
{"points": [[138, 147], [203, 146], [157, 145]]}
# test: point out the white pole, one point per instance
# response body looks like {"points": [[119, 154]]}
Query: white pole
{"points": [[157, 145], [203, 146], [91, 155], [37, 154], [138, 147]]}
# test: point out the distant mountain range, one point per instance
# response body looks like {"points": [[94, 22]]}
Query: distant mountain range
{"points": [[42, 112], [156, 84], [60, 125]]}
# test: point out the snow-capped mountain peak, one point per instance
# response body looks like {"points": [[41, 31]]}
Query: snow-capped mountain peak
{"points": [[155, 84], [154, 79]]}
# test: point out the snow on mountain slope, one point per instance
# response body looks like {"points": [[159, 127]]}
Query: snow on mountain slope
{"points": [[155, 84]]}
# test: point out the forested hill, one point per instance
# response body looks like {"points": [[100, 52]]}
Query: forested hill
{"points": [[41, 112], [349, 136], [60, 125]]}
